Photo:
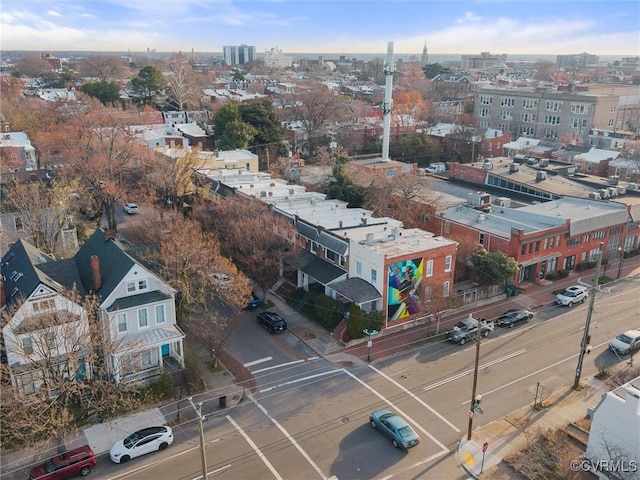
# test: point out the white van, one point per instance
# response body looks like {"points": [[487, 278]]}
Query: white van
{"points": [[435, 168]]}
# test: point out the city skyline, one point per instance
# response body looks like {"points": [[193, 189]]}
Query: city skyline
{"points": [[542, 27]]}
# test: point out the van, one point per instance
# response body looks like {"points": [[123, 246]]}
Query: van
{"points": [[435, 168]]}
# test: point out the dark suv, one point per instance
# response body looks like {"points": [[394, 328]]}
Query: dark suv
{"points": [[67, 464], [273, 322]]}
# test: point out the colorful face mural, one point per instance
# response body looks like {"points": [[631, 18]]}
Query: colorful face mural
{"points": [[403, 293]]}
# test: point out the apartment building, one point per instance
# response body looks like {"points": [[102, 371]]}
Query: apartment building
{"points": [[566, 114], [238, 54]]}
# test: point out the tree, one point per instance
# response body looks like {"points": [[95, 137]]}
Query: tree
{"points": [[355, 322], [103, 67], [148, 83], [342, 188], [183, 84], [262, 116], [186, 257], [226, 114], [103, 90], [432, 70], [171, 177], [44, 209], [107, 158], [33, 65], [493, 268], [64, 362], [237, 134], [249, 233], [317, 108]]}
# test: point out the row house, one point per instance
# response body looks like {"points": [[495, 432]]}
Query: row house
{"points": [[550, 236], [139, 337], [17, 153]]}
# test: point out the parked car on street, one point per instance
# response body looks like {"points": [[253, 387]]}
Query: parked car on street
{"points": [[572, 295], [140, 443], [395, 428], [221, 279], [130, 208], [626, 342], [254, 302], [511, 318], [79, 461], [467, 330], [273, 322]]}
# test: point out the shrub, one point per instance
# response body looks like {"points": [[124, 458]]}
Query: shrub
{"points": [[552, 276], [563, 273], [585, 266], [162, 388], [355, 322], [328, 311]]}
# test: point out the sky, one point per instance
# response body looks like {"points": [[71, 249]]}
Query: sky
{"points": [[544, 27]]}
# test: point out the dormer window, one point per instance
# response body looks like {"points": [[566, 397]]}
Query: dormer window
{"points": [[137, 286]]}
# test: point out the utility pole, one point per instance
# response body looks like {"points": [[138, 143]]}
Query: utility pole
{"points": [[475, 379], [585, 335], [203, 455], [369, 333]]}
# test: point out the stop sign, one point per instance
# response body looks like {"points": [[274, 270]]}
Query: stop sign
{"points": [[485, 446]]}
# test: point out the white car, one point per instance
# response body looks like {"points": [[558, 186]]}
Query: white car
{"points": [[222, 279], [140, 443], [572, 295], [626, 342], [131, 208]]}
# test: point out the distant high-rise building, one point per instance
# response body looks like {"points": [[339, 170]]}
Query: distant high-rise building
{"points": [[580, 60], [482, 61], [424, 59], [275, 59], [239, 54]]}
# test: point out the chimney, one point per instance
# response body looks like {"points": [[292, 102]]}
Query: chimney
{"points": [[95, 271]]}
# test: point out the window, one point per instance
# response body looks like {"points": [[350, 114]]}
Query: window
{"points": [[331, 255], [507, 102], [122, 322], [481, 239], [583, 257], [44, 305], [552, 120], [614, 109], [529, 104], [17, 221], [599, 235], [486, 100], [27, 345], [579, 108], [506, 115], [50, 340], [445, 288], [527, 117], [143, 321], [358, 268], [159, 313], [131, 287], [586, 238], [429, 268], [546, 244], [611, 122], [573, 242], [136, 285], [538, 246], [485, 112], [447, 263], [550, 134], [576, 122], [447, 226], [142, 284], [374, 276], [552, 106], [531, 131], [524, 249]]}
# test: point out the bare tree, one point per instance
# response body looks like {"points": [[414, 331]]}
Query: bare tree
{"points": [[33, 65], [171, 177], [107, 158], [184, 86], [59, 376], [186, 257], [44, 209], [103, 67]]}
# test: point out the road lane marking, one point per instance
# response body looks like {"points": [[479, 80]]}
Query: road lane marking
{"points": [[290, 438], [255, 448], [536, 372], [256, 362], [419, 400], [306, 360], [298, 380], [390, 403], [470, 371]]}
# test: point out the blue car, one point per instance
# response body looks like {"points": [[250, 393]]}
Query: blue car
{"points": [[255, 302], [395, 428]]}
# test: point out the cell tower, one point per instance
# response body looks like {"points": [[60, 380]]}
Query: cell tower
{"points": [[387, 105]]}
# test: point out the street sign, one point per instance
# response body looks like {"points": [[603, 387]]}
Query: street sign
{"points": [[485, 446]]}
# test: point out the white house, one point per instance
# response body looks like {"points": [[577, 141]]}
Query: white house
{"points": [[615, 430]]}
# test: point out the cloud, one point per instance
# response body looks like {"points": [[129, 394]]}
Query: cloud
{"points": [[53, 13], [469, 17]]}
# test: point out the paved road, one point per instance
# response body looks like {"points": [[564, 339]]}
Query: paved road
{"points": [[308, 417]]}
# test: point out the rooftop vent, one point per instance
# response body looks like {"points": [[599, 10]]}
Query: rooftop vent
{"points": [[514, 167], [540, 176]]}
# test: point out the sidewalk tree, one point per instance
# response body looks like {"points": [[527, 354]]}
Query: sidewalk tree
{"points": [[493, 268], [44, 210]]}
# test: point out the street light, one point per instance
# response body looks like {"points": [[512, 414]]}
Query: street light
{"points": [[369, 333], [621, 261]]}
